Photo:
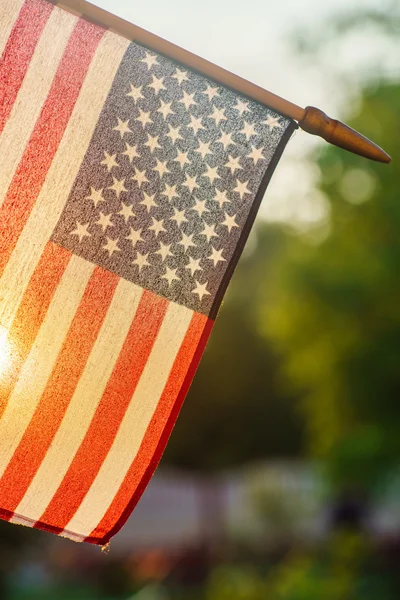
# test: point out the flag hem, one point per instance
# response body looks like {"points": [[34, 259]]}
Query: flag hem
{"points": [[8, 515]]}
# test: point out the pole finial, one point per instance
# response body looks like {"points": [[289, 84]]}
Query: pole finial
{"points": [[335, 132]]}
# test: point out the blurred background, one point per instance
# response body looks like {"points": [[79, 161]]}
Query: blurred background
{"points": [[281, 480]]}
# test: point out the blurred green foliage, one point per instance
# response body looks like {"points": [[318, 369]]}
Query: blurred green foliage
{"points": [[383, 18], [334, 317], [340, 571]]}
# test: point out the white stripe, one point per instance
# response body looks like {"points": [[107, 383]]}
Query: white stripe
{"points": [[135, 422], [32, 94], [42, 357], [82, 407], [9, 11], [72, 536], [17, 520], [61, 175]]}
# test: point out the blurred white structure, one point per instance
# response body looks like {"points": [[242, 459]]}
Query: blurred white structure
{"points": [[261, 504]]}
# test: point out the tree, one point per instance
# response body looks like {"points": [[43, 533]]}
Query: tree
{"points": [[335, 316]]}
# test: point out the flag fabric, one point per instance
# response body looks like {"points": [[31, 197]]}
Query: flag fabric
{"points": [[128, 187]]}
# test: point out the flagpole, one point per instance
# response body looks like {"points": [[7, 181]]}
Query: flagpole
{"points": [[310, 119]]}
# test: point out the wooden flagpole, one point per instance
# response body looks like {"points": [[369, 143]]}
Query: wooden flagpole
{"points": [[310, 119]]}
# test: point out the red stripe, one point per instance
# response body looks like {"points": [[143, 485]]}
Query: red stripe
{"points": [[70, 363], [158, 431], [49, 129], [110, 412], [31, 312], [18, 52]]}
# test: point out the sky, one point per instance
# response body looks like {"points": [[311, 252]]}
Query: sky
{"points": [[252, 38]]}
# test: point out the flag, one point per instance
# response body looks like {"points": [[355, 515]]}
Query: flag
{"points": [[128, 187]]}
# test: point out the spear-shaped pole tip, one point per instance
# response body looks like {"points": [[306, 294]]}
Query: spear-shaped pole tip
{"points": [[335, 132]]}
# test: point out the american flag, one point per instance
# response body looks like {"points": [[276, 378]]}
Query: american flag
{"points": [[128, 186]]}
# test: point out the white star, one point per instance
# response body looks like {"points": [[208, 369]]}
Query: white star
{"points": [[180, 76], [148, 201], [187, 241], [193, 265], [226, 140], [211, 173], [81, 231], [211, 92], [179, 216], [182, 159], [242, 189], [195, 124], [144, 117], [190, 182], [152, 143], [157, 226], [136, 92], [150, 60], [241, 107], [221, 197], [201, 290], [216, 256], [233, 164], [135, 236], [126, 212], [229, 222], [204, 149], [248, 130], [273, 122], [161, 167], [141, 261], [173, 133], [122, 127], [109, 161], [256, 154], [165, 109], [111, 246], [104, 221], [118, 186], [130, 152], [170, 275], [164, 251], [218, 115], [157, 84], [140, 177], [170, 191], [96, 196], [187, 100], [209, 232], [200, 207]]}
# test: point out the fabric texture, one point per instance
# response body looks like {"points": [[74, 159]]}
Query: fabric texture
{"points": [[128, 187]]}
